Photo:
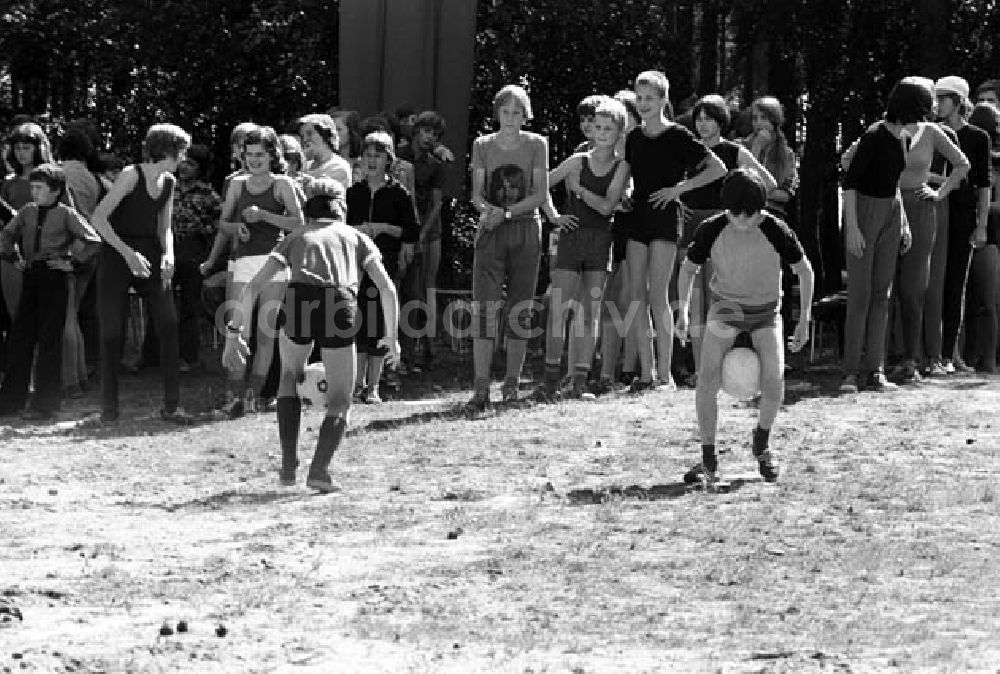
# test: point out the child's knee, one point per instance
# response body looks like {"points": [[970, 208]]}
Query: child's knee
{"points": [[338, 406], [772, 382]]}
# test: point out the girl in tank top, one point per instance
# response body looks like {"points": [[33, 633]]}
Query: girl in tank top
{"points": [[259, 207]]}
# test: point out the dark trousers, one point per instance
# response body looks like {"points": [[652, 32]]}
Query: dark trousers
{"points": [[114, 279], [956, 275], [187, 282], [5, 326], [86, 315], [40, 320]]}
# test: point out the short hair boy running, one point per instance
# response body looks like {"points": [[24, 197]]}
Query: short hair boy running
{"points": [[326, 259], [746, 246]]}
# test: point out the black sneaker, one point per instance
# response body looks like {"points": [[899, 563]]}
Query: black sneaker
{"points": [[508, 392], [640, 386], [286, 477], [849, 384], [580, 391], [693, 475], [708, 479], [480, 402], [322, 483], [603, 386], [767, 464], [547, 392]]}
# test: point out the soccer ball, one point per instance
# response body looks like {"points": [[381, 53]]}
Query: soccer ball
{"points": [[741, 373], [312, 387]]}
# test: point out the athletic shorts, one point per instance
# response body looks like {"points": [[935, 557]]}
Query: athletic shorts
{"points": [[655, 224], [322, 315], [620, 230], [584, 250], [743, 317], [243, 269]]}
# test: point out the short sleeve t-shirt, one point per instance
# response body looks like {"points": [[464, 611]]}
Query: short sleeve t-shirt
{"points": [[746, 263], [662, 160], [510, 173], [330, 255], [709, 196], [336, 168], [877, 165]]}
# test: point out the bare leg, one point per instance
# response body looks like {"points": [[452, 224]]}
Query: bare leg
{"points": [[661, 266], [641, 329]]}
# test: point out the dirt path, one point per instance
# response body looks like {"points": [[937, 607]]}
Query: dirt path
{"points": [[534, 539]]}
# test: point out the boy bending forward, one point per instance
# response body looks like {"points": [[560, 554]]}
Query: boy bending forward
{"points": [[747, 246]]}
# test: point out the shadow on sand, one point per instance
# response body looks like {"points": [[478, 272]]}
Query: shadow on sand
{"points": [[656, 492]]}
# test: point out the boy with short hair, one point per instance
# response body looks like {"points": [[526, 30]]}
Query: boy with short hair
{"points": [[595, 181], [46, 240], [326, 260], [586, 111], [747, 246]]}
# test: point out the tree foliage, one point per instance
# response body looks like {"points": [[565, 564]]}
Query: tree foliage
{"points": [[831, 62], [203, 64], [208, 64]]}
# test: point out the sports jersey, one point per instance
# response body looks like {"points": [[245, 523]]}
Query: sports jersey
{"points": [[332, 255], [746, 263]]}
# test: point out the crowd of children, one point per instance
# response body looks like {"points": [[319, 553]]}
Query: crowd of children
{"points": [[322, 232]]}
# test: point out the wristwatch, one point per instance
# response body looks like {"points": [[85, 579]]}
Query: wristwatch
{"points": [[506, 214]]}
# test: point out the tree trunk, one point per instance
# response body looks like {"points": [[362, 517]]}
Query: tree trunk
{"points": [[708, 69], [933, 36]]}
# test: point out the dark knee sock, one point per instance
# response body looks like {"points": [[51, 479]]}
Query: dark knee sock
{"points": [[289, 417], [760, 438], [708, 458], [330, 435]]}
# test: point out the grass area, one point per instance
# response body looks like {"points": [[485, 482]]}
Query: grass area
{"points": [[534, 538]]}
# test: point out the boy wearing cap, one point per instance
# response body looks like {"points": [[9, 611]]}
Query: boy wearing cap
{"points": [[326, 260], [968, 210]]}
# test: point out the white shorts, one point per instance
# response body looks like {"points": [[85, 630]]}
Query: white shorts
{"points": [[243, 269]]}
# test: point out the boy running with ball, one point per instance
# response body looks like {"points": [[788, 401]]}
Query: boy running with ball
{"points": [[326, 260], [747, 246]]}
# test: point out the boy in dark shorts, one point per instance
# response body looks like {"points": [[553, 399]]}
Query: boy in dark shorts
{"points": [[659, 154], [326, 260], [747, 246], [595, 180]]}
